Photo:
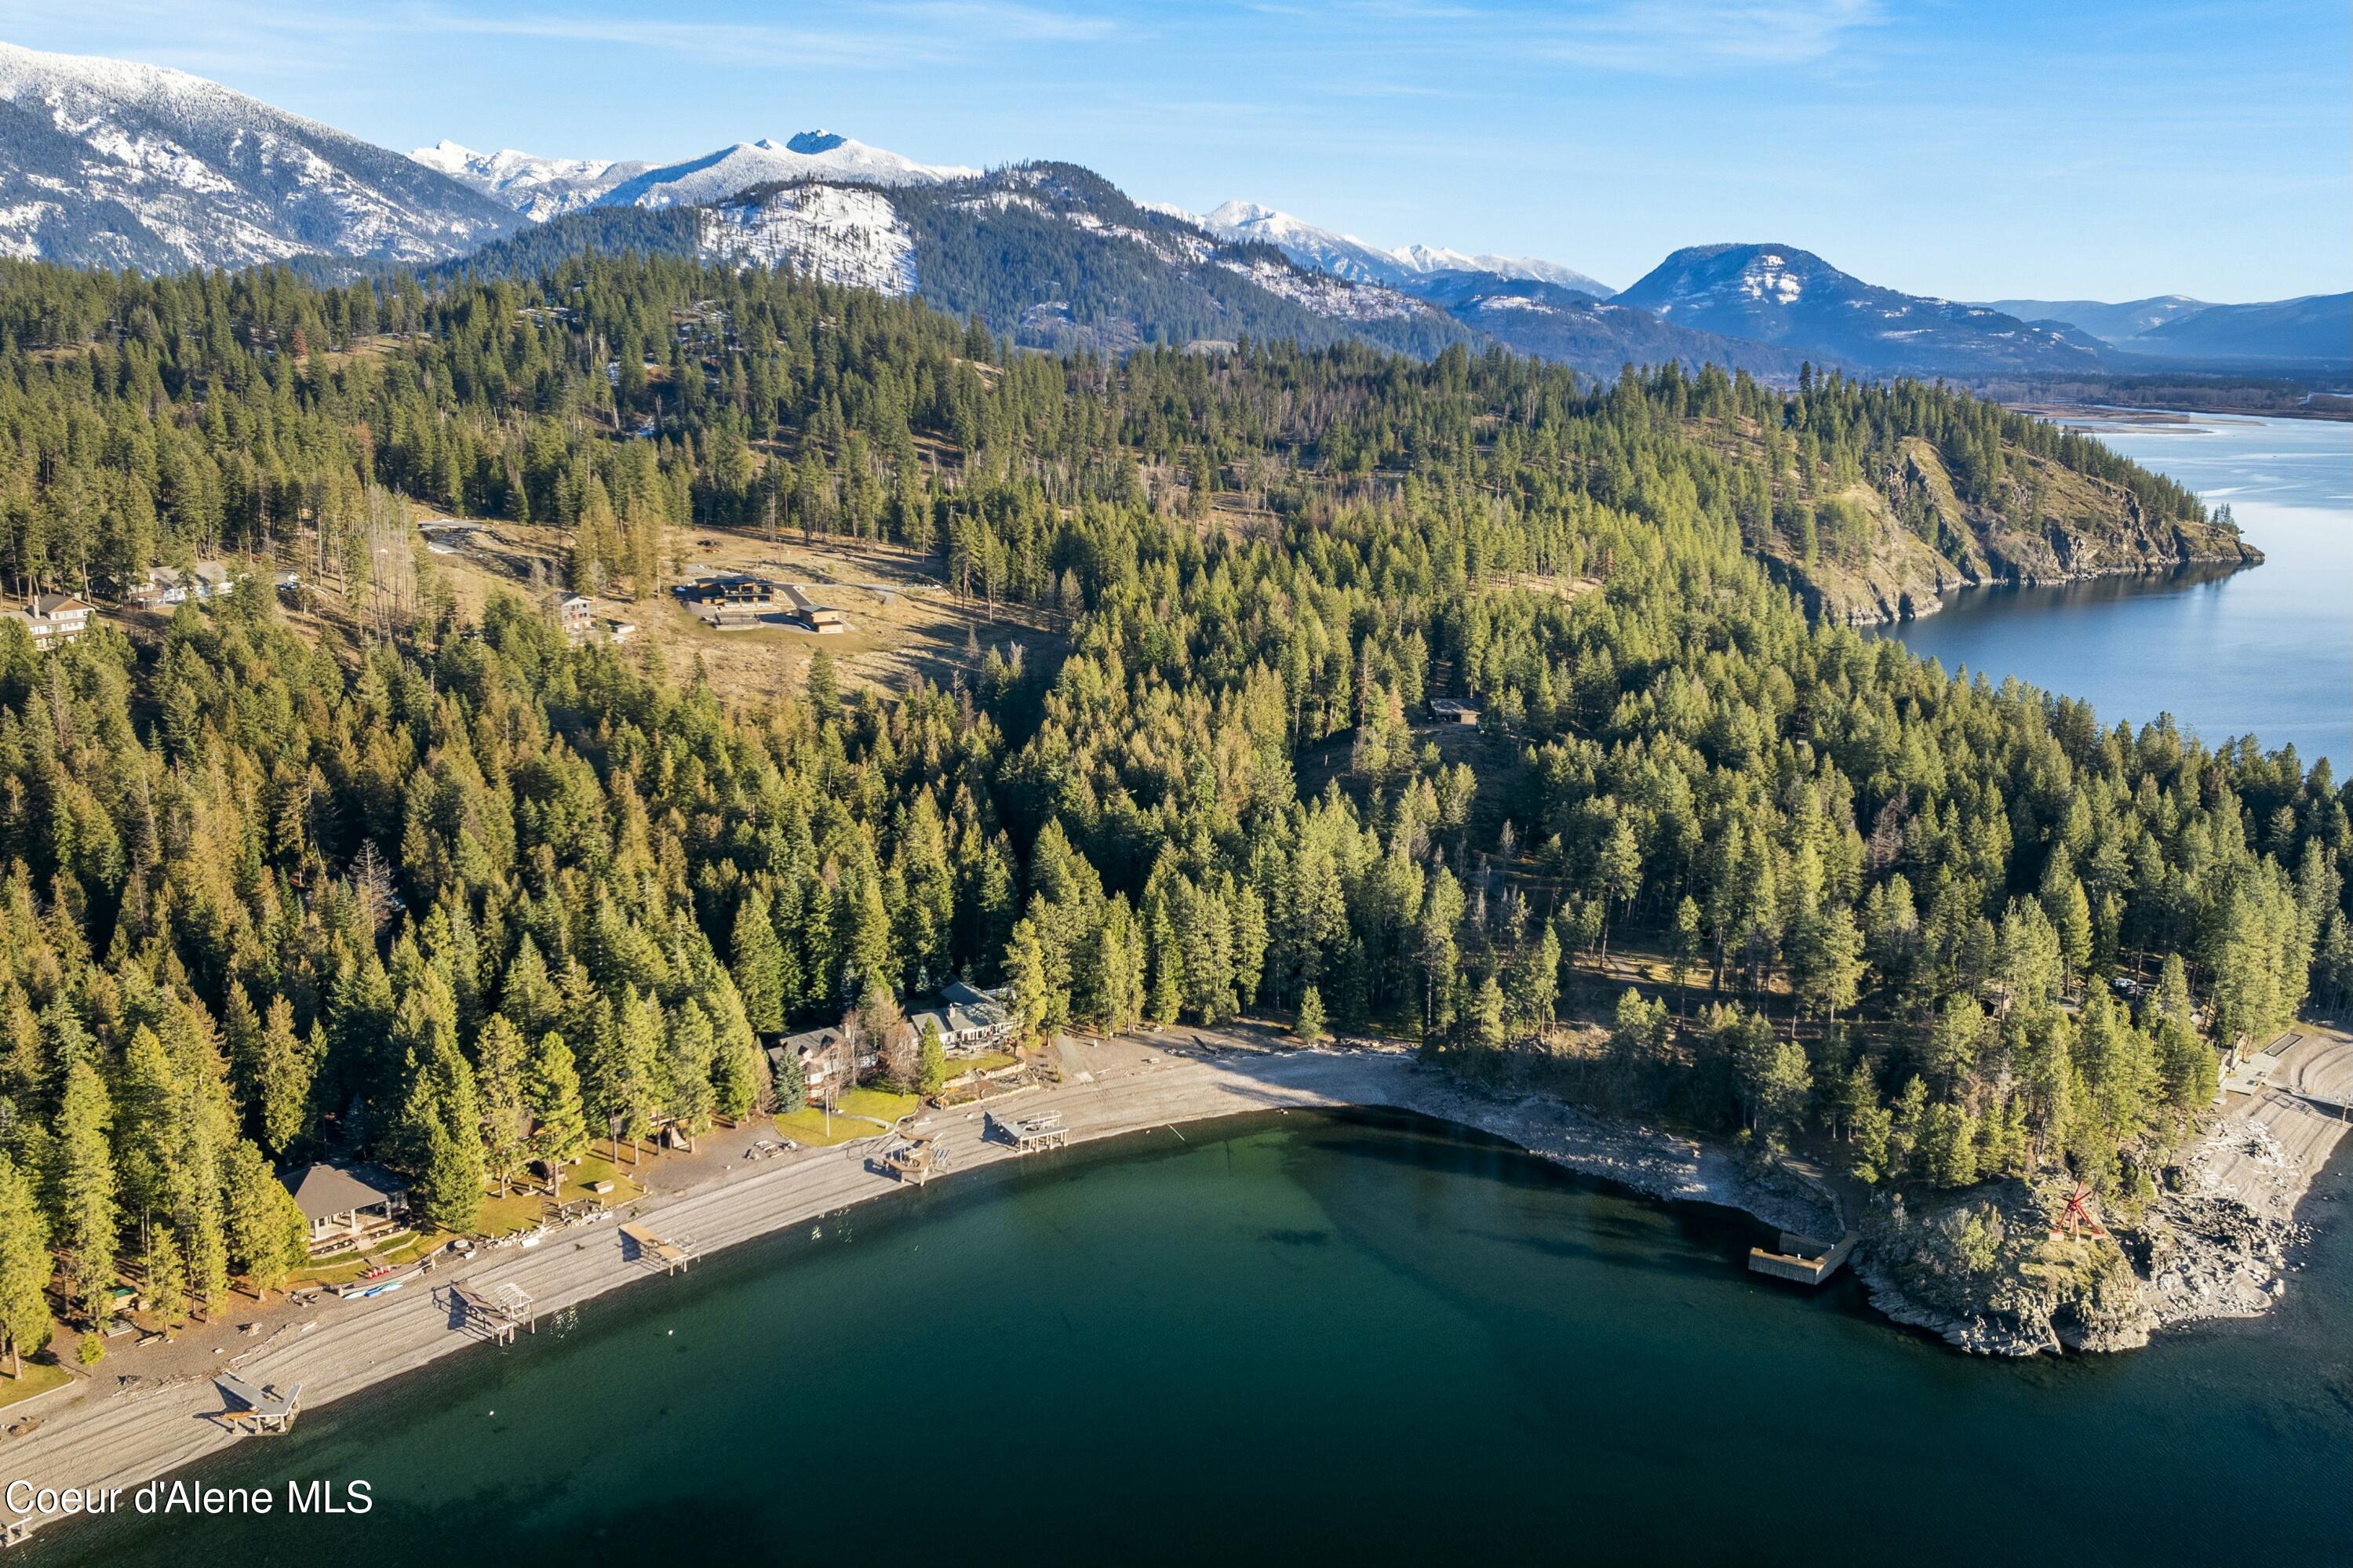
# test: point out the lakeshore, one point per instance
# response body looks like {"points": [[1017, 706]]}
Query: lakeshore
{"points": [[1141, 1085]]}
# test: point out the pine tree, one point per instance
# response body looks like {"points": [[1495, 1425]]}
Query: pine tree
{"points": [[165, 1275], [284, 1067], [1310, 1026], [25, 1266], [83, 1180], [501, 1061], [267, 1231], [559, 1135], [759, 964], [932, 1053]]}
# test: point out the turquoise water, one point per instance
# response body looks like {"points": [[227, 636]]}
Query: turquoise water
{"points": [[2267, 651], [1351, 1337]]}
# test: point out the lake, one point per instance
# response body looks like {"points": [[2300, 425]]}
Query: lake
{"points": [[2266, 651], [1353, 1336]]}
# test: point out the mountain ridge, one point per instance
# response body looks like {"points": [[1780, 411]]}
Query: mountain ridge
{"points": [[1782, 294], [111, 163]]}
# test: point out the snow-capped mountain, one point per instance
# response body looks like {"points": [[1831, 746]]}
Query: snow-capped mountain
{"points": [[539, 188], [1779, 294], [1049, 254], [108, 164], [811, 155], [1407, 266]]}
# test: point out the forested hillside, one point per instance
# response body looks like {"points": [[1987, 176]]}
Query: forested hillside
{"points": [[447, 894]]}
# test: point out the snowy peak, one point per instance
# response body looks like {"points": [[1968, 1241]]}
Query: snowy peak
{"points": [[109, 164], [811, 155], [1406, 267], [539, 188], [542, 188]]}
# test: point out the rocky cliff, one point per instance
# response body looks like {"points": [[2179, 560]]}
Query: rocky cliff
{"points": [[1911, 538]]}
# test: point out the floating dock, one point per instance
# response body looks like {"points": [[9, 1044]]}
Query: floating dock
{"points": [[1802, 1258]]}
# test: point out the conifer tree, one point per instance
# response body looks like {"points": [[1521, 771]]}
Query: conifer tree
{"points": [[559, 1135], [759, 964], [83, 1180], [1310, 1026], [25, 1266]]}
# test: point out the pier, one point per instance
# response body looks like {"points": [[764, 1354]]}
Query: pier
{"points": [[917, 1157], [497, 1311], [673, 1253], [1031, 1135], [258, 1409]]}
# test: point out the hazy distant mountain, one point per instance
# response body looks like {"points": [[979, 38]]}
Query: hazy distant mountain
{"points": [[107, 163], [2109, 323], [2313, 328], [1779, 294], [1345, 255], [539, 188]]}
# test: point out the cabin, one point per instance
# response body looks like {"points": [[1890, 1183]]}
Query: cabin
{"points": [[346, 1206], [1447, 711], [621, 631]]}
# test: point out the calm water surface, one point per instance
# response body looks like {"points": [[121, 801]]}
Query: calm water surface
{"points": [[2267, 651], [1364, 1337]]}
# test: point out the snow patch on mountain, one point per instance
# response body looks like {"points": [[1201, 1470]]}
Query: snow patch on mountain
{"points": [[1345, 255], [850, 237], [141, 166], [1334, 297], [539, 188]]}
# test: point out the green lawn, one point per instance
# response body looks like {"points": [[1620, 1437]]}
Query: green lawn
{"points": [[39, 1377], [855, 1117], [989, 1063]]}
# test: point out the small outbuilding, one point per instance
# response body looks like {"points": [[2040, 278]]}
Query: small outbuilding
{"points": [[1453, 711]]}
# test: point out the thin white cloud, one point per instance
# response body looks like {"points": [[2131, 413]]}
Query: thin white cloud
{"points": [[864, 36], [1670, 35]]}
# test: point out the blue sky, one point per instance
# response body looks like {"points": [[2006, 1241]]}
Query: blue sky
{"points": [[2083, 149]]}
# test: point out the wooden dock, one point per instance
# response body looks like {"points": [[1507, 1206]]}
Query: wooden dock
{"points": [[917, 1157], [1802, 1258], [498, 1311], [673, 1253], [1031, 1135], [258, 1409]]}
